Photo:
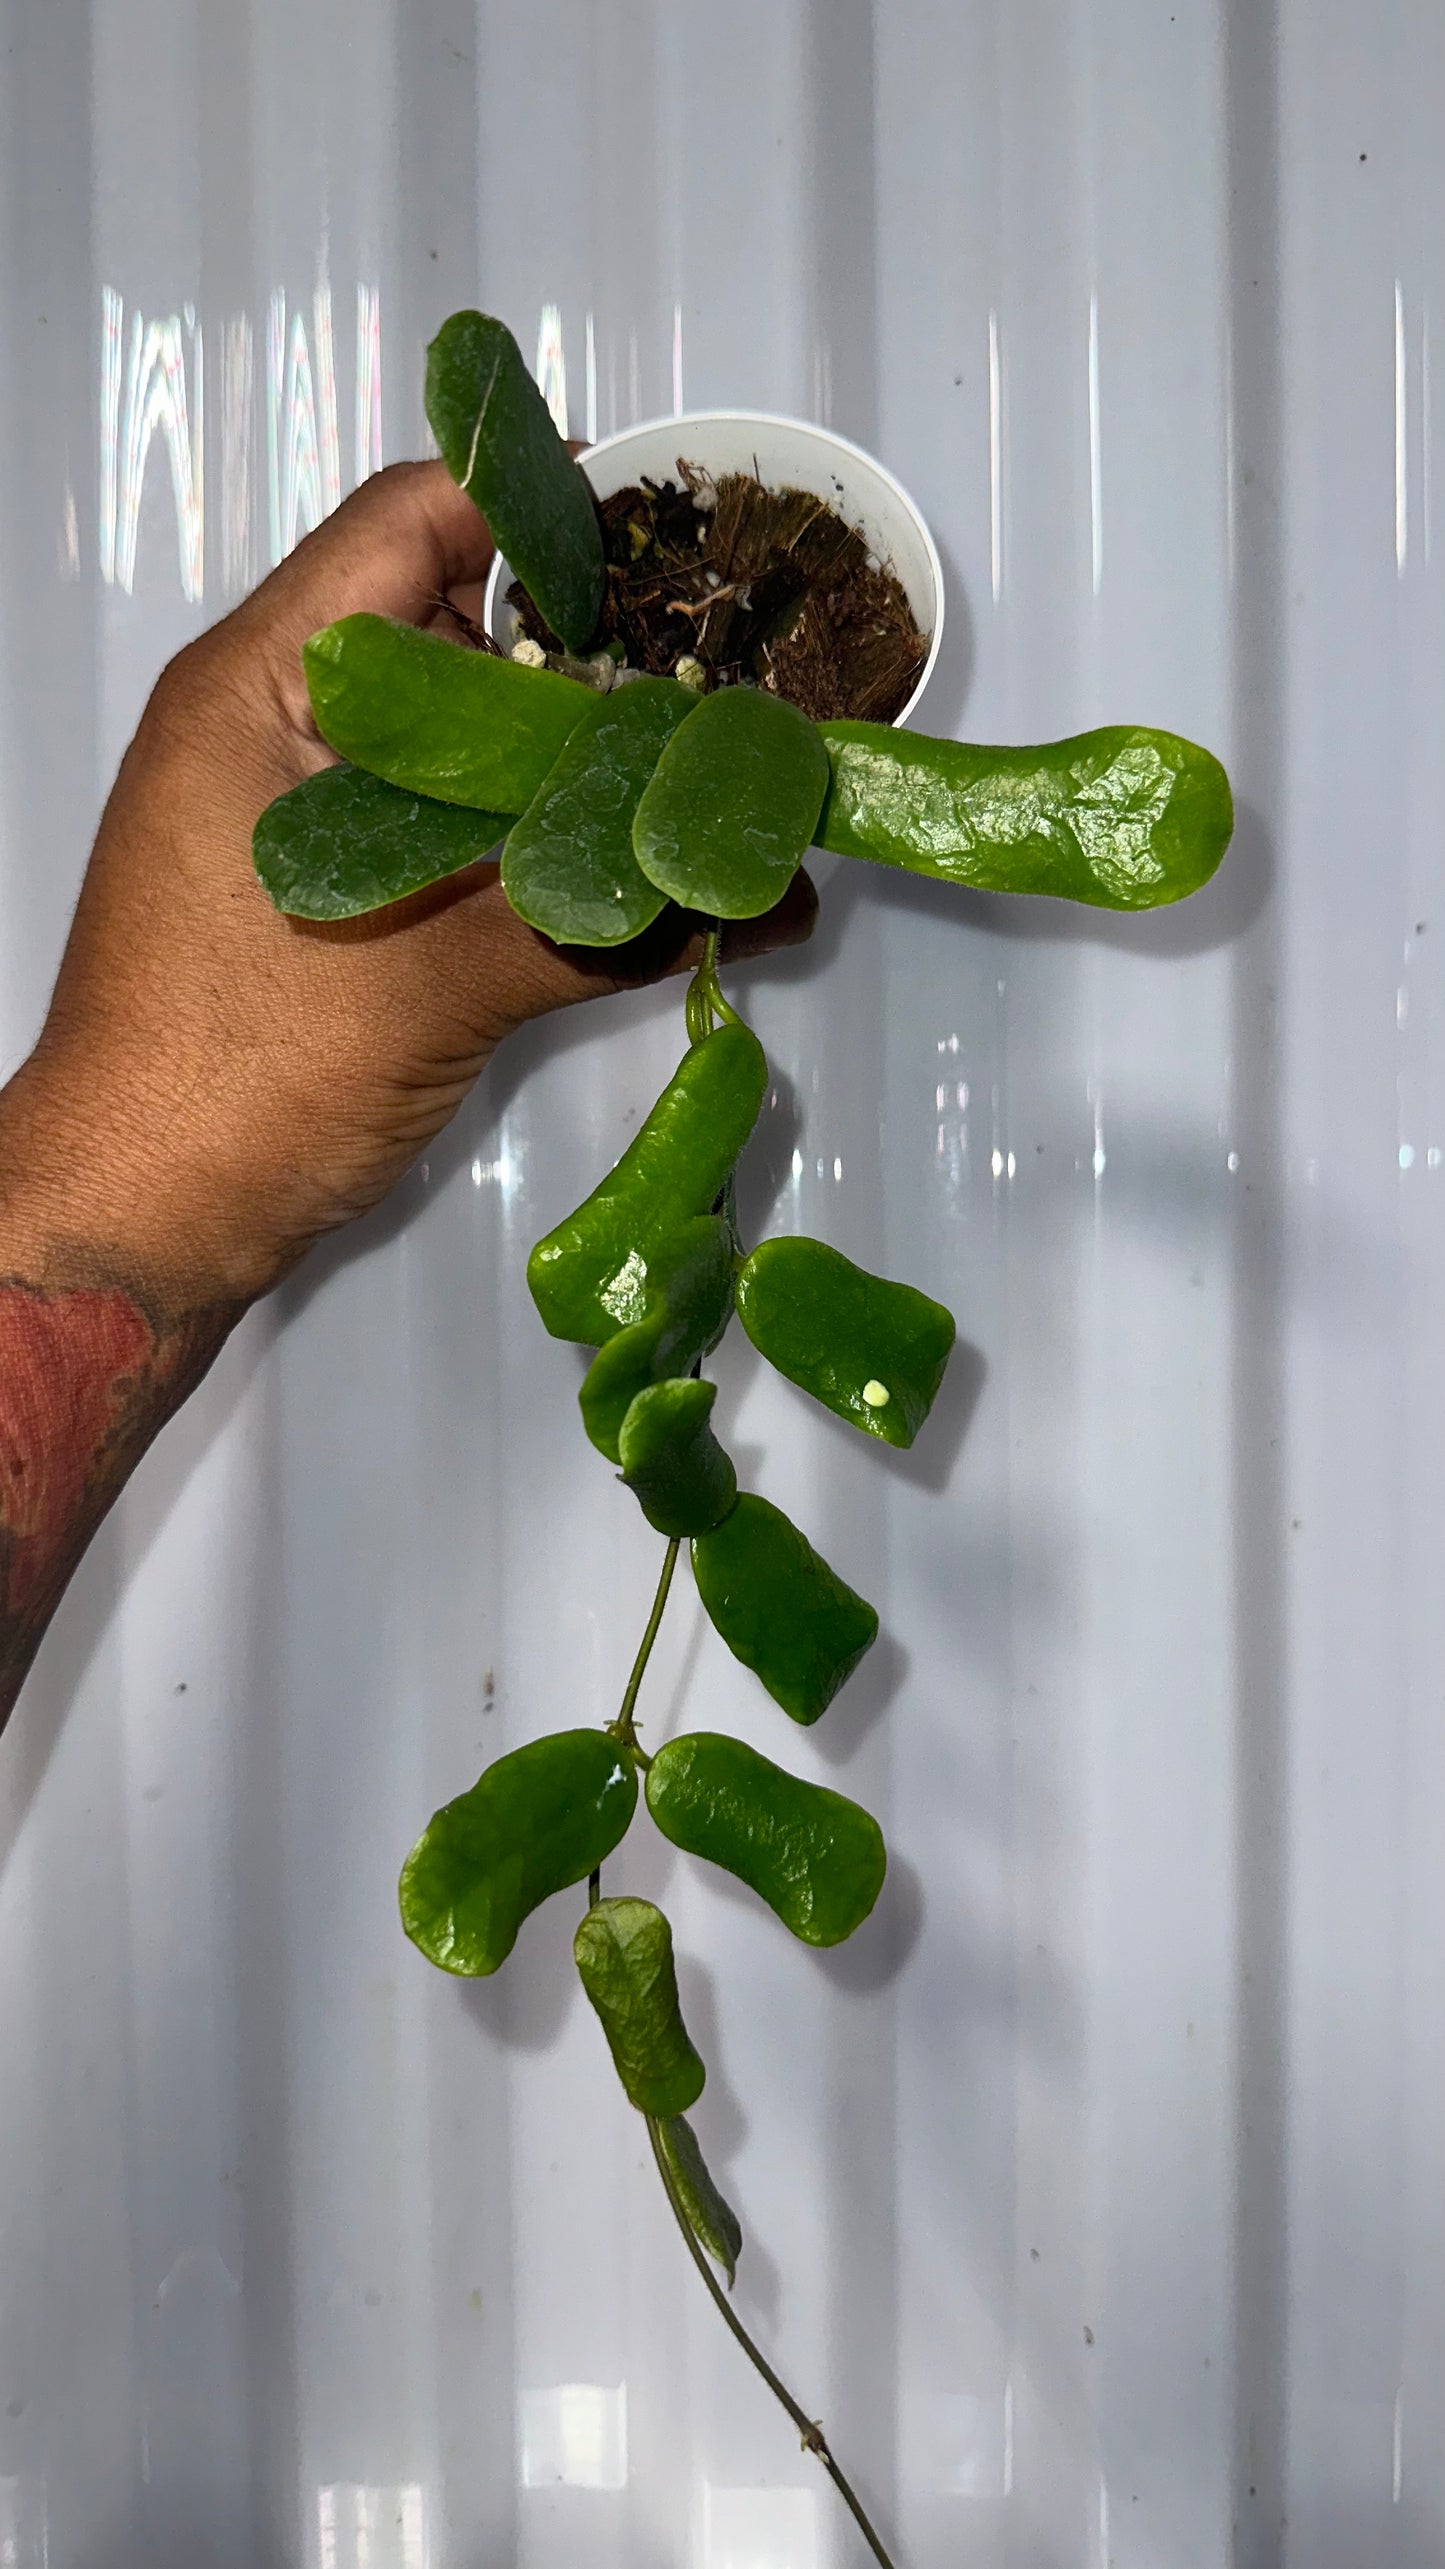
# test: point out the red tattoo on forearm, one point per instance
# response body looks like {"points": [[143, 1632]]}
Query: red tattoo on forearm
{"points": [[86, 1379]]}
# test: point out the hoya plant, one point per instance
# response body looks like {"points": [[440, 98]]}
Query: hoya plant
{"points": [[612, 800]]}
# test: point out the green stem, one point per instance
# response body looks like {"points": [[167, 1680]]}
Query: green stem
{"points": [[704, 992], [622, 1729], [728, 1014], [704, 1001], [814, 2440], [708, 976]]}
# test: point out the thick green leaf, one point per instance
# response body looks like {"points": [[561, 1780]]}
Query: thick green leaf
{"points": [[730, 813], [780, 1609], [681, 1293], [428, 715], [568, 866], [815, 1857], [345, 842], [539, 1819], [683, 1480], [498, 438], [624, 1955], [871, 1351], [588, 1278], [713, 2221], [1123, 819]]}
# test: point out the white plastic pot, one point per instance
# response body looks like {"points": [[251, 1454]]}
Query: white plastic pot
{"points": [[790, 453]]}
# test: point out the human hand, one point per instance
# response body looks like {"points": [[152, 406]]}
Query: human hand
{"points": [[216, 1086]]}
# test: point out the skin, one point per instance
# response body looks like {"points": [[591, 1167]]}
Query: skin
{"points": [[216, 1087]]}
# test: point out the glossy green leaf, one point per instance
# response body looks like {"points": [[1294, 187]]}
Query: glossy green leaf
{"points": [[815, 1857], [670, 1458], [568, 867], [681, 1291], [540, 1818], [871, 1351], [713, 2222], [344, 843], [460, 726], [588, 1277], [779, 1607], [1123, 819], [623, 1950], [730, 813], [499, 440]]}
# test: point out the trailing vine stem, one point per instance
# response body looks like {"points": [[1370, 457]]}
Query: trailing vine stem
{"points": [[623, 1729], [704, 992], [704, 997], [705, 1001], [814, 2440]]}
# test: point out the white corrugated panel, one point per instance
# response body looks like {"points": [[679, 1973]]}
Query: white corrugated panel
{"points": [[1094, 2195]]}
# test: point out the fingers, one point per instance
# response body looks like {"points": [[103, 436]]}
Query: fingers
{"points": [[406, 537], [790, 922], [538, 976]]}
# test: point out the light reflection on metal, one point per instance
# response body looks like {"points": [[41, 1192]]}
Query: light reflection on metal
{"points": [[156, 396], [24, 2532], [69, 534], [950, 1104], [1096, 465], [303, 447], [112, 311], [963, 2443], [156, 380], [237, 372], [1402, 450], [574, 2436], [551, 366], [612, 420], [1425, 430], [361, 2527], [760, 2528], [368, 381], [326, 411]]}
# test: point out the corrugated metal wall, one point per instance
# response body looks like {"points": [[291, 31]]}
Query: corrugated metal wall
{"points": [[1093, 2196]]}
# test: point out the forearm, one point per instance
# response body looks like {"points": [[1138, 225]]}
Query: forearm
{"points": [[216, 1086], [96, 1351]]}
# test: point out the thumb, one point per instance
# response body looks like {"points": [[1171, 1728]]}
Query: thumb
{"points": [[537, 976], [406, 537]]}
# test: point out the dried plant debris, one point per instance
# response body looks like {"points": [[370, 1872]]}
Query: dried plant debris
{"points": [[728, 584]]}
